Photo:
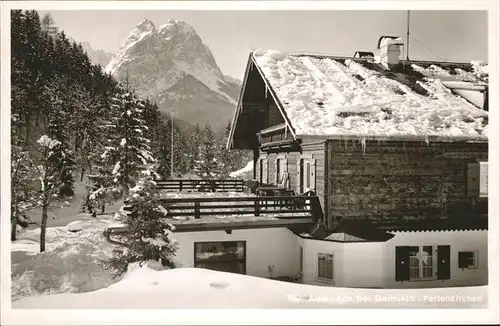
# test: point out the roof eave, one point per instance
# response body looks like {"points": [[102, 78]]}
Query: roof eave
{"points": [[230, 140], [424, 138], [276, 99]]}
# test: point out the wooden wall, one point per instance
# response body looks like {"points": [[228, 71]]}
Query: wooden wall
{"points": [[396, 180], [291, 158], [316, 150], [313, 150]]}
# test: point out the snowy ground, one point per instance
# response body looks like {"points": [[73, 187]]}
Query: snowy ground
{"points": [[66, 212], [69, 263], [200, 288]]}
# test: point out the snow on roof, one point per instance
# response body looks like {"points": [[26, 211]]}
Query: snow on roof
{"points": [[243, 171], [326, 97]]}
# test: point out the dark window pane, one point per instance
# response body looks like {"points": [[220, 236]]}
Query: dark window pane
{"points": [[226, 256]]}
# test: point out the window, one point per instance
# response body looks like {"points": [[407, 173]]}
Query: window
{"points": [[421, 263], [418, 263], [483, 179], [325, 267], [477, 179], [282, 178], [261, 170], [307, 182], [306, 174], [225, 256], [467, 259]]}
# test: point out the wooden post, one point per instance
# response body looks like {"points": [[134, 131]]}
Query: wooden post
{"points": [[196, 209], [180, 185], [257, 208]]}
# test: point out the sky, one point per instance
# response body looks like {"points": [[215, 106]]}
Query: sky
{"points": [[231, 35]]}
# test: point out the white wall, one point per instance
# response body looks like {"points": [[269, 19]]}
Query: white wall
{"points": [[311, 250], [354, 265], [372, 264], [457, 240], [264, 247], [362, 265], [367, 265]]}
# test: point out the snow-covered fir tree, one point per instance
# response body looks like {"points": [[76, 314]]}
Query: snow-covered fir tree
{"points": [[227, 158], [151, 234], [206, 164], [23, 176], [126, 152], [57, 128]]}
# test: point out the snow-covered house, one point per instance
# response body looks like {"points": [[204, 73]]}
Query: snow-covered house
{"points": [[400, 147]]}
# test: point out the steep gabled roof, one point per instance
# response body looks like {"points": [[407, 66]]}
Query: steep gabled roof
{"points": [[345, 97]]}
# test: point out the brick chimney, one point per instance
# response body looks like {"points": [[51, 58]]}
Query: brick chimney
{"points": [[390, 49]]}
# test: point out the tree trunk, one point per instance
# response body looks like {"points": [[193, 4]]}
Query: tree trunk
{"points": [[81, 175], [27, 127], [43, 226], [13, 232]]}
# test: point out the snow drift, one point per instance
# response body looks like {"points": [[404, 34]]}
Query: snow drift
{"points": [[200, 288], [69, 264]]}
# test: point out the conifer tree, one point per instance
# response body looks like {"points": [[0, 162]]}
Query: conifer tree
{"points": [[126, 152], [206, 164], [23, 175], [151, 234], [57, 117]]}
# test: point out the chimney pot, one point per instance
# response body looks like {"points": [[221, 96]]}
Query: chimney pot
{"points": [[390, 50]]}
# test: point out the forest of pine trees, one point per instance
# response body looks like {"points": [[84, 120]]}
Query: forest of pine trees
{"points": [[71, 121]]}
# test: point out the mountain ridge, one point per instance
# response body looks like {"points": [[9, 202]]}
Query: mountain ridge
{"points": [[158, 62]]}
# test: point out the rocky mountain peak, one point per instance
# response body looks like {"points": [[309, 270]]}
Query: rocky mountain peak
{"points": [[172, 65], [145, 25]]}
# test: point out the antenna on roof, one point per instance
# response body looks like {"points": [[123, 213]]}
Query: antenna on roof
{"points": [[408, 36]]}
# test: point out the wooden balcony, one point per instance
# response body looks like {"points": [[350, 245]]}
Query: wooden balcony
{"points": [[276, 137], [206, 185]]}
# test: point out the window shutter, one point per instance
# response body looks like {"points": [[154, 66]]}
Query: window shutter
{"points": [[299, 179], [277, 171], [473, 179], [257, 169], [313, 175], [266, 171], [285, 173], [443, 262], [301, 258], [402, 263], [462, 259], [483, 179]]}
